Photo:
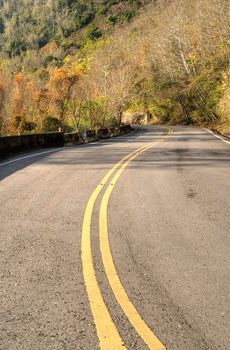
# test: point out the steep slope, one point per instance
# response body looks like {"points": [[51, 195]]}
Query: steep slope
{"points": [[81, 64], [31, 24]]}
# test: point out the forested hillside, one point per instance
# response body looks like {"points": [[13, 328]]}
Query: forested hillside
{"points": [[81, 64]]}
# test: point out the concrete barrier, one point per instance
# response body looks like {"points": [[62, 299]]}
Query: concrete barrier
{"points": [[114, 132], [91, 135], [73, 138], [104, 133], [125, 129], [10, 145]]}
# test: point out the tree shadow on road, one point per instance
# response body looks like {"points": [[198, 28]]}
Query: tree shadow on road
{"points": [[109, 152]]}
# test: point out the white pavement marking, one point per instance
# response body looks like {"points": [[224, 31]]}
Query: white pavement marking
{"points": [[31, 156], [219, 137]]}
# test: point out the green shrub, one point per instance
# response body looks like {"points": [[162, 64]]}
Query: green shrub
{"points": [[51, 124]]}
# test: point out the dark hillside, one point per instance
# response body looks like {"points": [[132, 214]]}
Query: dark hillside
{"points": [[31, 24]]}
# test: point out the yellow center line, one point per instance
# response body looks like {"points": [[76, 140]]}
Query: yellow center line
{"points": [[107, 332], [121, 296]]}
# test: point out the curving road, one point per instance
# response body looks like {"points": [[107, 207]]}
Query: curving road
{"points": [[160, 281]]}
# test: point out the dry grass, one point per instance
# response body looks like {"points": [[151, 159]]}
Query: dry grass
{"points": [[223, 127]]}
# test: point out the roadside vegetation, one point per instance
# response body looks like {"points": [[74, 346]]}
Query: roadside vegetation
{"points": [[80, 64]]}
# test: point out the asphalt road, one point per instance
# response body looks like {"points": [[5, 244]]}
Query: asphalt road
{"points": [[169, 232]]}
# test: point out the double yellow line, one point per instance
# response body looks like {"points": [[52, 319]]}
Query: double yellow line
{"points": [[106, 329]]}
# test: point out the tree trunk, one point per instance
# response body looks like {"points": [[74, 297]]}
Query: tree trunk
{"points": [[119, 114], [185, 112]]}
